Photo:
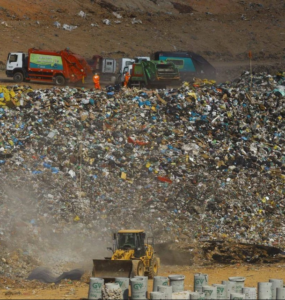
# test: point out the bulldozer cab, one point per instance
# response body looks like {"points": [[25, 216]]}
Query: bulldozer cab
{"points": [[128, 240]]}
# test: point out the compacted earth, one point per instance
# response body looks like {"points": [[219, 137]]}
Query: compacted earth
{"points": [[11, 289]]}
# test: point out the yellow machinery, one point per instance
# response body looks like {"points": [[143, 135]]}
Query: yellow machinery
{"points": [[131, 257]]}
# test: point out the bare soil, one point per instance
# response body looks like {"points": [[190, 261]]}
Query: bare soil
{"points": [[221, 31], [76, 290]]}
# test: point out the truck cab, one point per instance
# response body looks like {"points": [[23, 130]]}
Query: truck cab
{"points": [[102, 65], [16, 65], [128, 239]]}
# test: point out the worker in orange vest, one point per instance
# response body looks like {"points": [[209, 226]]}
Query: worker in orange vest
{"points": [[96, 80], [127, 78]]}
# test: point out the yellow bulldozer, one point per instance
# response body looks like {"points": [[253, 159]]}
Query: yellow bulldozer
{"points": [[131, 257]]}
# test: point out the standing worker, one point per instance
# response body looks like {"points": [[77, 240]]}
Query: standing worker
{"points": [[127, 78], [96, 80]]}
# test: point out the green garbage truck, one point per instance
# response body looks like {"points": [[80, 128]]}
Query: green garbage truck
{"points": [[154, 74]]}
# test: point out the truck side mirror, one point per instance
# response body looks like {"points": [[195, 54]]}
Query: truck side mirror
{"points": [[115, 236]]}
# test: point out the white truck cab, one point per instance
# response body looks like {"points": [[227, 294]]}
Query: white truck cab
{"points": [[126, 63], [16, 64]]}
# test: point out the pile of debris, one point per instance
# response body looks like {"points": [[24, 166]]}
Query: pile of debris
{"points": [[229, 253], [201, 161]]}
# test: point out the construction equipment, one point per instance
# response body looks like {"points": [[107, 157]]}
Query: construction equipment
{"points": [[131, 257], [152, 74], [50, 66]]}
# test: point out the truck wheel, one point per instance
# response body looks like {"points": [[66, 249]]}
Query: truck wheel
{"points": [[59, 80], [153, 268], [18, 77]]}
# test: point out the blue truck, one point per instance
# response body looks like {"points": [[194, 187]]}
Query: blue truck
{"points": [[189, 64]]}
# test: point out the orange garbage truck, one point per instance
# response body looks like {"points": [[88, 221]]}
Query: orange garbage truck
{"points": [[57, 67]]}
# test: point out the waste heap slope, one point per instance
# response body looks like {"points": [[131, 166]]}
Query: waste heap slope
{"points": [[202, 161]]}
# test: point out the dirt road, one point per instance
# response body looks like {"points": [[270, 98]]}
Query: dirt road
{"points": [[77, 290], [226, 71]]}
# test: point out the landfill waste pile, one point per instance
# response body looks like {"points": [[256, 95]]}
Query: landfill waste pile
{"points": [[8, 98], [204, 161]]}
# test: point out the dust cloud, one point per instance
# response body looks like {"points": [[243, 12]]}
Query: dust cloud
{"points": [[54, 243], [38, 232]]}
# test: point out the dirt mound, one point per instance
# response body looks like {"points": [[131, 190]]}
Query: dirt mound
{"points": [[42, 274], [45, 275]]}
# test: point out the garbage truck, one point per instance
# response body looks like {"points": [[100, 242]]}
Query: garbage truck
{"points": [[58, 67], [189, 64], [131, 257], [154, 74]]}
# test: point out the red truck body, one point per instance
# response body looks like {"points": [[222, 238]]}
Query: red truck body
{"points": [[74, 67]]}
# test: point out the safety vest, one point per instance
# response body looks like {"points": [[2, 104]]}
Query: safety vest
{"points": [[96, 78], [127, 77]]}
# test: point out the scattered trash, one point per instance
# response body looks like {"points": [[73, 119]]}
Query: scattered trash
{"points": [[69, 27], [106, 21], [117, 15], [57, 24], [135, 21], [5, 24], [82, 14], [64, 26]]}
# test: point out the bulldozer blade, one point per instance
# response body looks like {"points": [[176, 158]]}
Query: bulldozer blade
{"points": [[109, 269]]}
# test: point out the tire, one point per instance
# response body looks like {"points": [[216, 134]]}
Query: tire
{"points": [[59, 80], [153, 268], [138, 268], [18, 77]]}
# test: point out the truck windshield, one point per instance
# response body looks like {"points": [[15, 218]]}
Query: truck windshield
{"points": [[126, 240], [165, 66]]}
